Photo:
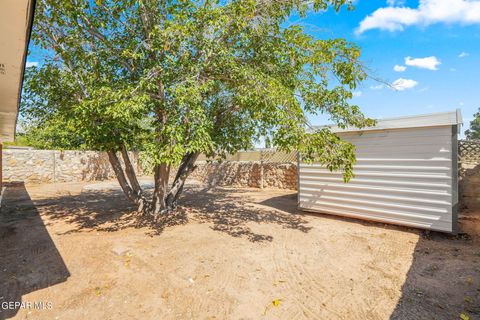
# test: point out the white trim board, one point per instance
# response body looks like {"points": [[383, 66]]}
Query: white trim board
{"points": [[424, 120]]}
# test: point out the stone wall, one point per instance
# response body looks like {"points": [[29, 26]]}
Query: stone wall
{"points": [[280, 175], [469, 172], [43, 166], [247, 174], [40, 166], [469, 186]]}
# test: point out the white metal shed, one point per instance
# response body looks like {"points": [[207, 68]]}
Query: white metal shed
{"points": [[406, 173]]}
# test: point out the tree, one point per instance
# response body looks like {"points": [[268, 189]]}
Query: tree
{"points": [[474, 132], [52, 134], [177, 78]]}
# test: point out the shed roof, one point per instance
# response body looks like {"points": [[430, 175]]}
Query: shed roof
{"points": [[16, 18], [449, 118]]}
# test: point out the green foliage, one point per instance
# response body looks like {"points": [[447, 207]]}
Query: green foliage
{"points": [[53, 134], [175, 77], [20, 141], [474, 132]]}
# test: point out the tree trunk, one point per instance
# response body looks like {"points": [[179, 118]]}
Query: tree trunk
{"points": [[186, 167], [161, 175], [117, 168], [132, 177], [163, 199]]}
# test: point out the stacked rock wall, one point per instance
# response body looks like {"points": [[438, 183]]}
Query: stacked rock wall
{"points": [[40, 166], [43, 166], [469, 186], [247, 174]]}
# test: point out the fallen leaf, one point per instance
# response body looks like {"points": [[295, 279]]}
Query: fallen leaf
{"points": [[275, 303], [463, 316]]}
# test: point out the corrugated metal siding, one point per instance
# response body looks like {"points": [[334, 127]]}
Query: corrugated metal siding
{"points": [[402, 176]]}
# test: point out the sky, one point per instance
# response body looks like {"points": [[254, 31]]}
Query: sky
{"points": [[428, 50]]}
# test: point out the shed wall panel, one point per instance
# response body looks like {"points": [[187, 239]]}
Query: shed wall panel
{"points": [[402, 176]]}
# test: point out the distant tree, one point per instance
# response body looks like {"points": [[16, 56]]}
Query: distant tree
{"points": [[474, 132], [44, 132], [176, 78]]}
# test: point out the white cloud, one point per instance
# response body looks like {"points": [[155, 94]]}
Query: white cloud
{"points": [[399, 68], [429, 63], [404, 84], [31, 64], [428, 12], [357, 93], [463, 54]]}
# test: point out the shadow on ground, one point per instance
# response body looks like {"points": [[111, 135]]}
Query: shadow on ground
{"points": [[228, 210], [101, 210], [444, 279], [232, 213], [29, 260]]}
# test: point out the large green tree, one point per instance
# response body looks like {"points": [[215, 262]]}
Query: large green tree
{"points": [[474, 132], [176, 78]]}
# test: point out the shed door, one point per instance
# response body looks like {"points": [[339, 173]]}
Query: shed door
{"points": [[401, 176]]}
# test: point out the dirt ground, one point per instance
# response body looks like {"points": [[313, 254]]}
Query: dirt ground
{"points": [[80, 253]]}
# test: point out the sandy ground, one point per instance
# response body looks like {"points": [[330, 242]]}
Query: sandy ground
{"points": [[227, 254]]}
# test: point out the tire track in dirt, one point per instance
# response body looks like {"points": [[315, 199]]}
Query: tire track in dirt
{"points": [[293, 310], [312, 298], [290, 274], [318, 288], [358, 306], [318, 292], [298, 307], [192, 284]]}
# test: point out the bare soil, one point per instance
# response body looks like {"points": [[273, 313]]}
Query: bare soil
{"points": [[226, 254]]}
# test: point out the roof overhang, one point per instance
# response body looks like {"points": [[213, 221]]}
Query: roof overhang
{"points": [[16, 18], [450, 118]]}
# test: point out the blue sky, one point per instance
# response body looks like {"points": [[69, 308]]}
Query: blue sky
{"points": [[444, 31], [435, 42]]}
